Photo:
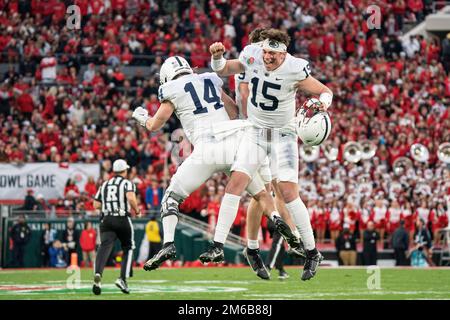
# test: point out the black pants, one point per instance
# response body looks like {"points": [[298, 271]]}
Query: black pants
{"points": [[370, 257], [18, 253], [153, 249], [112, 228], [45, 255], [400, 257], [276, 253]]}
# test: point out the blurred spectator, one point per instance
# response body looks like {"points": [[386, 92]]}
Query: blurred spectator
{"points": [[370, 245], [400, 244], [20, 236], [422, 235], [58, 255], [48, 235], [48, 68], [90, 187], [153, 196], [70, 239], [42, 205], [335, 221], [446, 53], [346, 247], [71, 186], [440, 220], [88, 240], [30, 202], [379, 213], [154, 235]]}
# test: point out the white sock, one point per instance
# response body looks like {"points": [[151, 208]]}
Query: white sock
{"points": [[227, 213], [300, 215], [169, 225], [252, 244], [273, 214]]}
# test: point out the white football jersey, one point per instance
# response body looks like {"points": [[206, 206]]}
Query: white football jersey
{"points": [[271, 101], [197, 101]]}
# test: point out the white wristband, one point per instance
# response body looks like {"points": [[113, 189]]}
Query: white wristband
{"points": [[326, 98], [218, 64]]}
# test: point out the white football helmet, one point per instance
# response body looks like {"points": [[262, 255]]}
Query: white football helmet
{"points": [[313, 126], [172, 67]]}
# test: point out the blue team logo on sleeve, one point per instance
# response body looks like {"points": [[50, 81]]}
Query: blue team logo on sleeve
{"points": [[160, 94]]}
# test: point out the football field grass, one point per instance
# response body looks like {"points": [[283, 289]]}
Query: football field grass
{"points": [[229, 284]]}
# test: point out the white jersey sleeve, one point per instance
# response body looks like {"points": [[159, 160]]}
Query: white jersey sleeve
{"points": [[301, 68], [218, 83], [249, 56]]}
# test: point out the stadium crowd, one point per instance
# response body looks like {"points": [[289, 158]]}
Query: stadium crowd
{"points": [[389, 91]]}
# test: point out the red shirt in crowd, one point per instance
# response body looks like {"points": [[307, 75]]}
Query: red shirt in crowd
{"points": [[88, 239], [25, 103]]}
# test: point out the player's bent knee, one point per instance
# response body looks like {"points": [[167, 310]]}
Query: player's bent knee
{"points": [[237, 183], [170, 204], [288, 191]]}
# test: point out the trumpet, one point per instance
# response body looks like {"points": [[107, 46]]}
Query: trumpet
{"points": [[368, 150], [401, 165], [309, 153], [352, 151], [443, 152], [419, 152], [330, 150]]}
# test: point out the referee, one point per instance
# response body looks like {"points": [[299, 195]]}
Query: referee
{"points": [[115, 198]]}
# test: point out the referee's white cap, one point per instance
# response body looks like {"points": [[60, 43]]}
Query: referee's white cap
{"points": [[120, 165]]}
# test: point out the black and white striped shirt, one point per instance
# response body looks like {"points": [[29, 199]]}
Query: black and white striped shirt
{"points": [[113, 196]]}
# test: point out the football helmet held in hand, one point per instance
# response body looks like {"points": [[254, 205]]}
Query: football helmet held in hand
{"points": [[313, 126]]}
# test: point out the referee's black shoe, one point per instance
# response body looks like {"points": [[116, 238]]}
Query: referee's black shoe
{"points": [[214, 254], [122, 285], [166, 253], [283, 228], [255, 261], [97, 287]]}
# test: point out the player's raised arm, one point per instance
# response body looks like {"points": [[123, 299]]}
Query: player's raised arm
{"points": [[222, 66], [230, 106], [244, 91], [157, 122], [313, 86]]}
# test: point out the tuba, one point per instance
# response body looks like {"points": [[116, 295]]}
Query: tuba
{"points": [[444, 152], [309, 153], [330, 151], [401, 165], [368, 150], [419, 152], [352, 151]]}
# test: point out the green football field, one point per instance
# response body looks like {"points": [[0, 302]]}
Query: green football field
{"points": [[230, 283]]}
